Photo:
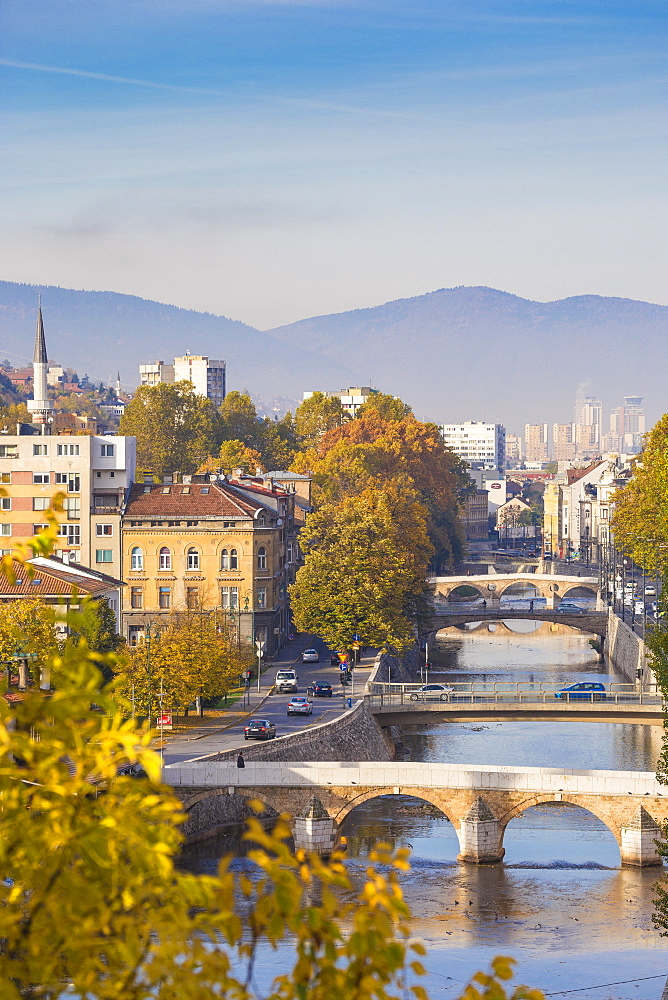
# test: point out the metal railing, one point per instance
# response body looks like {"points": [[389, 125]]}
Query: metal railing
{"points": [[380, 694]]}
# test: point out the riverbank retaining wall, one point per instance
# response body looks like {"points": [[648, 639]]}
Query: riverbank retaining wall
{"points": [[626, 652], [354, 736], [397, 669]]}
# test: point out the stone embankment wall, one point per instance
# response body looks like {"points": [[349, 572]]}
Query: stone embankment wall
{"points": [[354, 736], [626, 651], [397, 669]]}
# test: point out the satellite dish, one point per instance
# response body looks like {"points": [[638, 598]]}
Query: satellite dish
{"points": [[279, 521]]}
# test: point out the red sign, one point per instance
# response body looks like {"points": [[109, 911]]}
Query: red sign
{"points": [[164, 720]]}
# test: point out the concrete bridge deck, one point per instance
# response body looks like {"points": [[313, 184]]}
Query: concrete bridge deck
{"points": [[480, 801], [595, 622]]}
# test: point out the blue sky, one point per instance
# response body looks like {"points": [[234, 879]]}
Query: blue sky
{"points": [[274, 160]]}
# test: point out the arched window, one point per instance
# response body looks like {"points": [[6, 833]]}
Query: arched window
{"points": [[234, 559], [193, 559], [137, 558], [262, 558], [224, 559], [165, 558]]}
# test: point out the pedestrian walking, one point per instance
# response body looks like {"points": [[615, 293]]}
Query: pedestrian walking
{"points": [[484, 604], [240, 760]]}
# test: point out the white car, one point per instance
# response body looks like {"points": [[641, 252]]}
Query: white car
{"points": [[432, 692], [299, 706], [310, 656]]}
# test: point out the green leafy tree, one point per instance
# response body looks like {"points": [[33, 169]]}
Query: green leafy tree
{"points": [[317, 415], [175, 428], [279, 443], [233, 455], [239, 420], [97, 628], [640, 520], [364, 568], [387, 407]]}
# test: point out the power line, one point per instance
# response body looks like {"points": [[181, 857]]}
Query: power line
{"points": [[600, 986]]}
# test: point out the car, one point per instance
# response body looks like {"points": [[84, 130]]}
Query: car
{"points": [[650, 591], [334, 658], [567, 607], [639, 608], [286, 680], [259, 729], [310, 656], [432, 692], [299, 706], [321, 689], [584, 691]]}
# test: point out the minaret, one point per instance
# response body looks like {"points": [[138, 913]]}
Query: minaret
{"points": [[40, 406], [118, 384]]}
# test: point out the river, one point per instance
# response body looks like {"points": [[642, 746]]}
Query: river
{"points": [[578, 923]]}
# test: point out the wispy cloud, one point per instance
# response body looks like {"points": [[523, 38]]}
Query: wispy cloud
{"points": [[107, 77]]}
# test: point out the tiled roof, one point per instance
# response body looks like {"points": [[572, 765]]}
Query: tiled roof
{"points": [[184, 500], [49, 583]]}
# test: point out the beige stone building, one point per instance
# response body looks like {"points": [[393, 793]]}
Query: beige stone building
{"points": [[207, 543]]}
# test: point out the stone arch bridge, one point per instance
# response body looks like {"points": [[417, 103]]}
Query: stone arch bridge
{"points": [[480, 802], [493, 586]]}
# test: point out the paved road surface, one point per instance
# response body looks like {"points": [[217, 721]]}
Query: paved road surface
{"points": [[198, 743]]}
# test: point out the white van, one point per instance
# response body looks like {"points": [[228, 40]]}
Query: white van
{"points": [[286, 680]]}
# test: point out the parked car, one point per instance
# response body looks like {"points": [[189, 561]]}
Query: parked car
{"points": [[310, 656], [334, 658], [568, 607], [432, 692], [259, 729], [639, 608], [650, 590], [299, 706], [321, 689], [584, 691]]}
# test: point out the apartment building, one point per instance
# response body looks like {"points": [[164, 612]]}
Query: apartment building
{"points": [[209, 544], [535, 443], [563, 442], [93, 471], [478, 443], [206, 375], [352, 399]]}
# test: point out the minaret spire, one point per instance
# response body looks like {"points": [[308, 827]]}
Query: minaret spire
{"points": [[40, 405]]}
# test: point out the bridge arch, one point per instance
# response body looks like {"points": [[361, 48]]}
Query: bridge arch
{"points": [[211, 810], [426, 795], [601, 813]]}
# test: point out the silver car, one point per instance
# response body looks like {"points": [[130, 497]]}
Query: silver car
{"points": [[432, 692], [299, 706]]}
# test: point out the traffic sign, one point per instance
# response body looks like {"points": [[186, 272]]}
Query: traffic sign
{"points": [[260, 647], [164, 720]]}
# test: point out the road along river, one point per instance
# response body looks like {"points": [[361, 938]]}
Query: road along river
{"points": [[560, 902]]}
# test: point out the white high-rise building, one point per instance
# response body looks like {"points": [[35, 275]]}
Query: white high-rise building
{"points": [[588, 411], [627, 426], [478, 443], [206, 375]]}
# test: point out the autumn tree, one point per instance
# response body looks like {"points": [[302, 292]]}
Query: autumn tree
{"points": [[233, 455], [365, 564], [175, 428], [28, 633], [640, 520], [10, 416], [191, 655], [317, 415]]}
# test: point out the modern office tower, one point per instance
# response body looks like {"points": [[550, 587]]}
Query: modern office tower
{"points": [[535, 442], [40, 406], [627, 426], [587, 421], [563, 442], [478, 443], [206, 375]]}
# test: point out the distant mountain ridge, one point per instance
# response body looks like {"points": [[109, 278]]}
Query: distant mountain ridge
{"points": [[479, 353], [454, 354]]}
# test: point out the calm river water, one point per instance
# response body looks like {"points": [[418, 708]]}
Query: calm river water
{"points": [[578, 924]]}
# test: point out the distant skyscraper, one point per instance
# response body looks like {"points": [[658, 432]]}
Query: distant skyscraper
{"points": [[627, 426], [535, 442], [563, 442], [587, 421]]}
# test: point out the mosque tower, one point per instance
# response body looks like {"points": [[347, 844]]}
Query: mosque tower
{"points": [[40, 405]]}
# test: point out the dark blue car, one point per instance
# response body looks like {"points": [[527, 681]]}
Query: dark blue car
{"points": [[584, 691]]}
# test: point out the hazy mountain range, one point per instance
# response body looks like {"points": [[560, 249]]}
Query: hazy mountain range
{"points": [[453, 354]]}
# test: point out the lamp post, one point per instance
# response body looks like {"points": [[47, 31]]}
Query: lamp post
{"points": [[147, 639]]}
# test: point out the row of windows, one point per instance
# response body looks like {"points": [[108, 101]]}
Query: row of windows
{"points": [[62, 450], [229, 598], [229, 560]]}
